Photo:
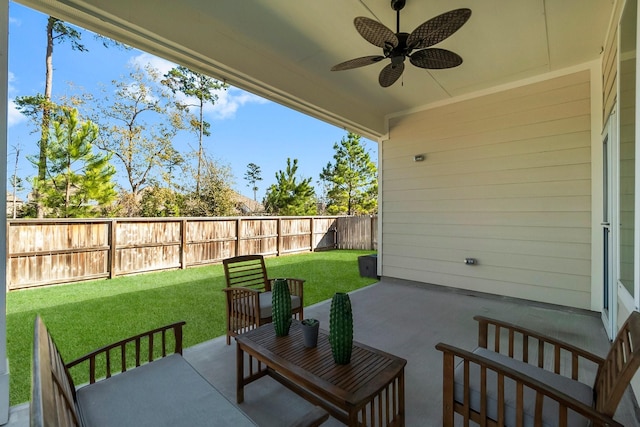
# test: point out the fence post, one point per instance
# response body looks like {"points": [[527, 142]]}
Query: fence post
{"points": [[370, 232], [279, 238], [112, 248], [312, 236], [183, 244], [238, 229]]}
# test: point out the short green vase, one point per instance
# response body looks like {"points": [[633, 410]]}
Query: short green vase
{"points": [[341, 328], [281, 307]]}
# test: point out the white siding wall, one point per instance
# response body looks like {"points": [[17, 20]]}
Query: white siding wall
{"points": [[506, 180]]}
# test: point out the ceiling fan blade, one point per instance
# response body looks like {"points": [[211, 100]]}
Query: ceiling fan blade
{"points": [[434, 58], [357, 62], [438, 28], [390, 74], [375, 33]]}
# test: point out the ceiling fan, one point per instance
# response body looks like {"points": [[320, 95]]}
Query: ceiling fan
{"points": [[399, 46]]}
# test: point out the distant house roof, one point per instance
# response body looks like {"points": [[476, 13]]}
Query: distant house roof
{"points": [[19, 203], [10, 198], [246, 205]]}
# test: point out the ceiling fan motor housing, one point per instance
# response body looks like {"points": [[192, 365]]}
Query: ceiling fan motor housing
{"points": [[398, 53]]}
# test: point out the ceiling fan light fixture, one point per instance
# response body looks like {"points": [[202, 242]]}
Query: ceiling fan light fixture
{"points": [[398, 59]]}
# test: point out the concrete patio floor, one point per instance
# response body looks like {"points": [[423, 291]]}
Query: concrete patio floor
{"points": [[408, 320]]}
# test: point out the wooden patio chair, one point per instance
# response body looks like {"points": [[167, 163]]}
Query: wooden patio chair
{"points": [[532, 379], [248, 294]]}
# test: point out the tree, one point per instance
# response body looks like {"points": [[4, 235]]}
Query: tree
{"points": [[288, 197], [40, 106], [137, 128], [204, 89], [216, 196], [15, 183], [78, 182], [352, 179], [252, 176], [56, 31], [161, 202]]}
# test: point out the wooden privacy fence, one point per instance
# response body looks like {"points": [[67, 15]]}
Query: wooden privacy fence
{"points": [[44, 252]]}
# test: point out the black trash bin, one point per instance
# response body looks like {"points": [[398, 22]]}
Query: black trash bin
{"points": [[368, 265]]}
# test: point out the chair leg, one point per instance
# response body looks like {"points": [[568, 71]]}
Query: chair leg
{"points": [[447, 391]]}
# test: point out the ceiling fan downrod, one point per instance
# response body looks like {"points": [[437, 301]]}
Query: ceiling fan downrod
{"points": [[398, 5]]}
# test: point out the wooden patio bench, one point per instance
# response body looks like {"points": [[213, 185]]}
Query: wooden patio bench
{"points": [[518, 377], [162, 389]]}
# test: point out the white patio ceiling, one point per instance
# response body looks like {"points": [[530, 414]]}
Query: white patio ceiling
{"points": [[284, 49]]}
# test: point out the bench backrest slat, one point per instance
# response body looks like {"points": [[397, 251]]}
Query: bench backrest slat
{"points": [[247, 271], [53, 391]]}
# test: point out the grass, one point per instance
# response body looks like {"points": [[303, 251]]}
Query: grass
{"points": [[85, 316]]}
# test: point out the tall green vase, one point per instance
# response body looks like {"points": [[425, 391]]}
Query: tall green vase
{"points": [[341, 328], [281, 307]]}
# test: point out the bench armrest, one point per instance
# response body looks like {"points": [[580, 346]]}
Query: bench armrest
{"points": [[528, 339], [243, 303], [565, 402], [144, 347]]}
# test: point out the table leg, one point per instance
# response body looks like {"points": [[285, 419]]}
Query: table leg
{"points": [[401, 415], [239, 374]]}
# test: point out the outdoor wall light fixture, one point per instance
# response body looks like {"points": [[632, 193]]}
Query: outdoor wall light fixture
{"points": [[418, 158]]}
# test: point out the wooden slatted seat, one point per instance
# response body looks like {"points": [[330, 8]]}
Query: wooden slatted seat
{"points": [[139, 381], [518, 377], [248, 294], [142, 380]]}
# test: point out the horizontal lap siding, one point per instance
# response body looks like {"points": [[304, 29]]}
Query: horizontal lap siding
{"points": [[506, 180], [626, 170], [610, 65]]}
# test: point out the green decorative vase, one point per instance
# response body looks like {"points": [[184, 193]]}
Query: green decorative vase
{"points": [[341, 328], [281, 307]]}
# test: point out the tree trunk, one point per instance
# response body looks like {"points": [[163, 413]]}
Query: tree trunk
{"points": [[200, 147], [15, 181], [46, 115]]}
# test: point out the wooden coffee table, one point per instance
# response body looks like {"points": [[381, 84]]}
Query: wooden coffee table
{"points": [[367, 391]]}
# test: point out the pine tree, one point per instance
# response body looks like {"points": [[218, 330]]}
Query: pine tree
{"points": [[252, 176], [352, 180], [289, 197], [78, 182]]}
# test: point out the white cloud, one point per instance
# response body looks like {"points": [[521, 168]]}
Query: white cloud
{"points": [[144, 59], [14, 116], [228, 102], [11, 78], [15, 21]]}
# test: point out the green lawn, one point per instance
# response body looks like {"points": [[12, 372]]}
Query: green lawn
{"points": [[85, 316]]}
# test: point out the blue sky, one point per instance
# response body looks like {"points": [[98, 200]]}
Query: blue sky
{"points": [[244, 128]]}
